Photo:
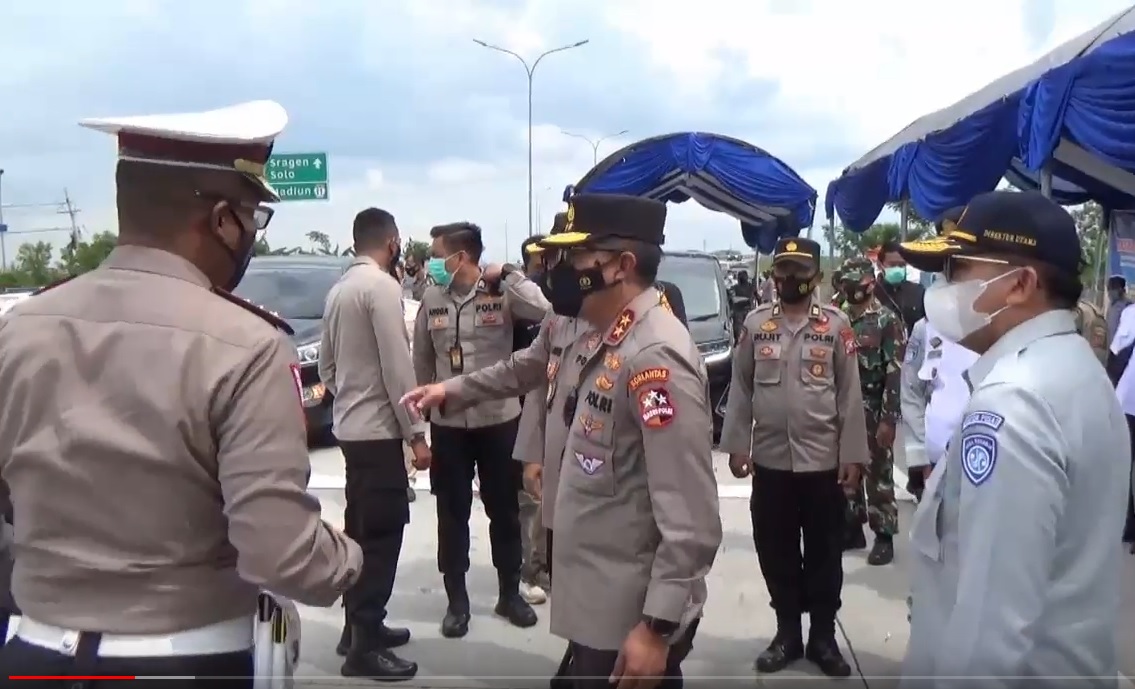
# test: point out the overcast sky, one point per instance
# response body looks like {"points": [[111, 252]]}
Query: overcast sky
{"points": [[419, 120]]}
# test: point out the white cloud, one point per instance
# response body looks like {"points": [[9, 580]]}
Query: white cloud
{"points": [[876, 65]]}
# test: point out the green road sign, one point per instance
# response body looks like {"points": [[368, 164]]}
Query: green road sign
{"points": [[299, 176]]}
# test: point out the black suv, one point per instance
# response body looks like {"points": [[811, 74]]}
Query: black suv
{"points": [[709, 312], [295, 288]]}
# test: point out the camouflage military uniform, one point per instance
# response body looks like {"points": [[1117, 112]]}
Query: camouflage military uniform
{"points": [[881, 340], [1091, 324]]}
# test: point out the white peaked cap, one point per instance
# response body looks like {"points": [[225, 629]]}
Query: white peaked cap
{"points": [[237, 138]]}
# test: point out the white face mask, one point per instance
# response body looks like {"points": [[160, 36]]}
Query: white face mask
{"points": [[949, 307]]}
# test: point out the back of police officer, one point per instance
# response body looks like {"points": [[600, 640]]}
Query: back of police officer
{"points": [[153, 436], [364, 360], [1016, 570], [795, 421], [466, 322]]}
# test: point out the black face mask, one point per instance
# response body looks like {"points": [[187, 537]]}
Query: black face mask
{"points": [[856, 295], [567, 287], [540, 279], [792, 290], [240, 256]]}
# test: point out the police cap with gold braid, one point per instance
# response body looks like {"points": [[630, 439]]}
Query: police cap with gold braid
{"points": [[797, 249], [558, 225], [591, 218]]}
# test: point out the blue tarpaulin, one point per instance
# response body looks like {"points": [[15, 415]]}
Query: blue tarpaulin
{"points": [[721, 173], [1073, 111]]}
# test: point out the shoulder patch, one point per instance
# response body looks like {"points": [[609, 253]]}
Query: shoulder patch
{"points": [[655, 407], [847, 335], [648, 375], [979, 456], [742, 335], [272, 319], [983, 418], [935, 341]]}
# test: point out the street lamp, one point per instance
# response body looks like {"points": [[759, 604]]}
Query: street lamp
{"points": [[594, 142], [530, 70]]}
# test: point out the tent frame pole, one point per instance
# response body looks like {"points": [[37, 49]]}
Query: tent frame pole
{"points": [[1046, 181], [904, 218]]}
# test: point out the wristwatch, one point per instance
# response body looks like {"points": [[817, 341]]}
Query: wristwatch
{"points": [[661, 627]]}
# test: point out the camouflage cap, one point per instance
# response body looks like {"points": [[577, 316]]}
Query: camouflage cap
{"points": [[857, 269]]}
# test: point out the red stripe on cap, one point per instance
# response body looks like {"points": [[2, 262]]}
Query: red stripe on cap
{"points": [[146, 146]]}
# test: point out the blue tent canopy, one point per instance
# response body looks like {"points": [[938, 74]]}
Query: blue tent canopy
{"points": [[721, 173], [1072, 113]]}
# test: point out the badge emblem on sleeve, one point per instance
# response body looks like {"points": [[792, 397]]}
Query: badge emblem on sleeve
{"points": [[979, 456], [655, 408]]}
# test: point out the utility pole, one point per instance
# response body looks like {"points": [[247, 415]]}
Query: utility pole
{"points": [[3, 227], [70, 210]]}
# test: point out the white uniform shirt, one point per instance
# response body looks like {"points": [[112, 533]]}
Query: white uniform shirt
{"points": [[1124, 336], [1016, 568], [934, 393]]}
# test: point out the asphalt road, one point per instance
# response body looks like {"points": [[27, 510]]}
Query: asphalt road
{"points": [[738, 622]]}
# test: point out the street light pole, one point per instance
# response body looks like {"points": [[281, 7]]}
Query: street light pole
{"points": [[530, 70], [594, 143]]}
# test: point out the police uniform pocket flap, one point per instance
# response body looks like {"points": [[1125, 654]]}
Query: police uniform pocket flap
{"points": [[766, 362], [590, 465], [489, 313], [438, 319], [816, 364]]}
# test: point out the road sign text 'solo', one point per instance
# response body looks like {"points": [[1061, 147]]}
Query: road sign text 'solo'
{"points": [[299, 176]]}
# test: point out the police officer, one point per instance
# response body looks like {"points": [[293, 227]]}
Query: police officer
{"points": [[466, 322], [150, 505], [1015, 565], [365, 363], [880, 339], [796, 376]]}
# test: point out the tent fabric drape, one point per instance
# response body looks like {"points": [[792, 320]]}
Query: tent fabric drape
{"points": [[1083, 93], [723, 174]]}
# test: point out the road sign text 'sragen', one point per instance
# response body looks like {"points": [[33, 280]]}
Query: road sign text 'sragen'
{"points": [[299, 176]]}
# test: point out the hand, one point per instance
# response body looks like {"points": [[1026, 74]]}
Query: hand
{"points": [[423, 457], [492, 273], [740, 465], [642, 660], [424, 397], [885, 434], [534, 480], [849, 476]]}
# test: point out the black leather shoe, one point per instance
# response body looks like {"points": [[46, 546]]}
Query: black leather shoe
{"points": [[344, 645], [853, 538], [883, 552], [455, 624], [825, 654], [379, 664], [784, 650], [516, 610], [393, 637]]}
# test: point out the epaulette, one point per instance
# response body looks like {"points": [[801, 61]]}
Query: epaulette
{"points": [[272, 319], [55, 284]]}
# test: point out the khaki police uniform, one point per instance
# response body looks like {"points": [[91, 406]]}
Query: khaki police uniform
{"points": [[460, 333], [155, 449], [795, 407], [364, 360]]}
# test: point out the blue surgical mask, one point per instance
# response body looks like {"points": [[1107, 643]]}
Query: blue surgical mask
{"points": [[435, 268]]}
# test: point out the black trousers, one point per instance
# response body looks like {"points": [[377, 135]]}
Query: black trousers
{"points": [[1129, 526], [21, 659], [548, 540], [591, 668], [784, 505], [378, 511], [487, 451]]}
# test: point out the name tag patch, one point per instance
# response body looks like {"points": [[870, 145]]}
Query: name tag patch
{"points": [[655, 408], [912, 349], [649, 375], [979, 456], [983, 418], [590, 465]]}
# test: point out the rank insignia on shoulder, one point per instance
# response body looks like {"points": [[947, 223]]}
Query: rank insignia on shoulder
{"points": [[769, 326], [272, 319], [604, 383], [847, 335], [935, 341], [983, 418], [979, 456], [622, 326], [648, 375], [655, 407]]}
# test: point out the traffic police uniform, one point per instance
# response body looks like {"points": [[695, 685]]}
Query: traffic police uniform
{"points": [[454, 334], [365, 364], [796, 408], [150, 505], [880, 338], [1016, 572]]}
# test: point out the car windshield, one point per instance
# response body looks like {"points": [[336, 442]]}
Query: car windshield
{"points": [[293, 293], [697, 280]]}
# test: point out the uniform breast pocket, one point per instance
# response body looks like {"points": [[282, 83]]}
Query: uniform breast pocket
{"points": [[925, 527], [488, 319], [766, 363], [816, 366], [591, 466]]}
